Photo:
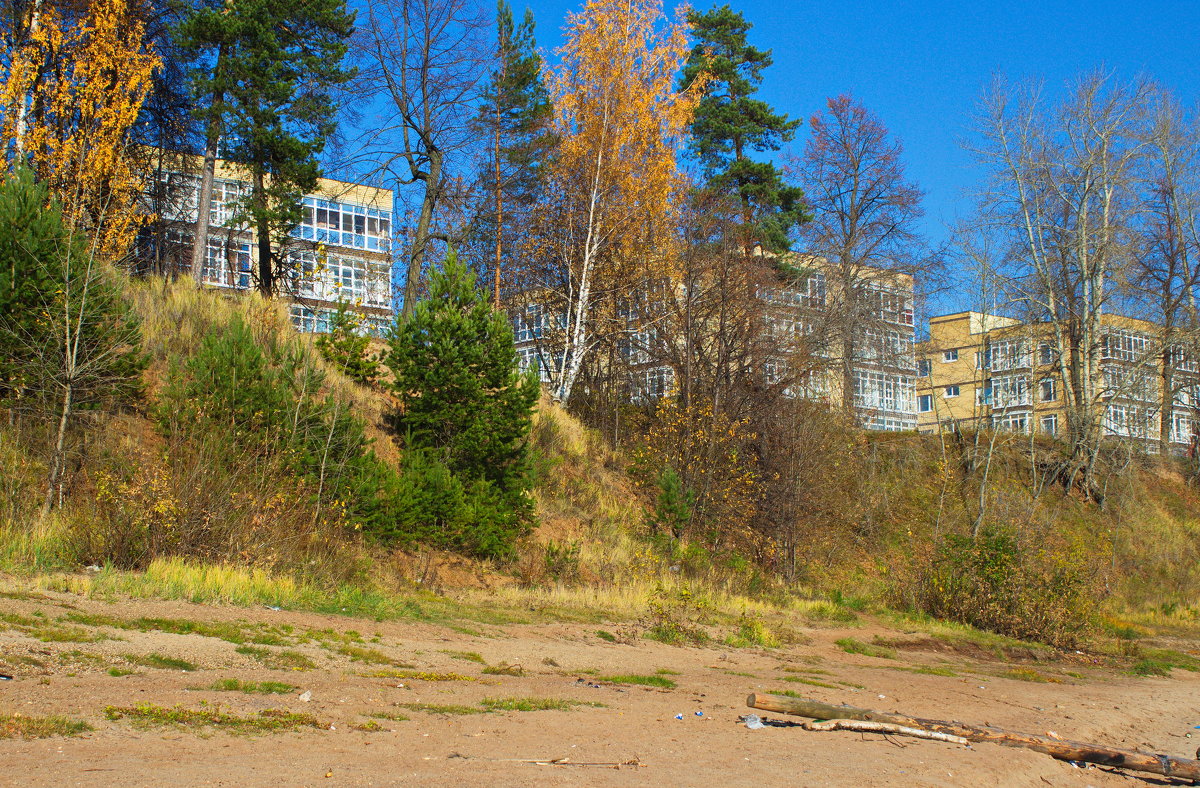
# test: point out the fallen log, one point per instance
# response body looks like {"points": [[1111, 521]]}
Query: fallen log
{"points": [[1134, 760], [863, 726]]}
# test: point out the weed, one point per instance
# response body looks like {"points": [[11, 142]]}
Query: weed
{"points": [[366, 655], [532, 704], [18, 726], [278, 660], [1029, 674], [434, 708], [258, 687], [465, 656], [648, 681], [514, 669], [118, 672], [383, 715], [160, 662], [752, 632], [420, 675], [606, 635], [370, 726], [855, 646], [667, 672], [810, 682], [267, 721]]}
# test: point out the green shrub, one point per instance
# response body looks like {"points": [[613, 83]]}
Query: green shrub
{"points": [[348, 347], [1042, 593]]}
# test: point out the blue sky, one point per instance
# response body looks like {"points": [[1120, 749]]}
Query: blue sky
{"points": [[922, 66]]}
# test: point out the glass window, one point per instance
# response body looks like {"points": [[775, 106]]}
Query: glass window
{"points": [[1050, 424], [924, 403], [952, 391], [1048, 392], [949, 355]]}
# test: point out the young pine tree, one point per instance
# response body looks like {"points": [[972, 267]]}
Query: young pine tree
{"points": [[348, 348], [456, 371]]}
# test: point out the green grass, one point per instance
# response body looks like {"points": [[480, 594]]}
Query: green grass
{"points": [[384, 715], [1160, 661], [222, 630], [752, 632], [466, 656], [436, 708], [252, 687], [118, 672], [809, 682], [267, 721], [1029, 674], [368, 656], [855, 646], [159, 661], [18, 726], [605, 635], [533, 704], [420, 675], [928, 670], [278, 660], [648, 681]]}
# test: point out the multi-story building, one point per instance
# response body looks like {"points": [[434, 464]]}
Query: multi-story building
{"points": [[340, 252], [794, 312], [990, 370]]}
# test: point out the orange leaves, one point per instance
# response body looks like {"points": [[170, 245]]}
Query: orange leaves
{"points": [[74, 91], [619, 117]]}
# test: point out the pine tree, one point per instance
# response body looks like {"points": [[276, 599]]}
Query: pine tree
{"points": [[730, 123], [517, 116], [347, 347], [455, 369], [273, 65]]}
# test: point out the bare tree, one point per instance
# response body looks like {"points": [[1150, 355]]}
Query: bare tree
{"points": [[1165, 272], [1060, 187], [862, 236], [420, 62]]}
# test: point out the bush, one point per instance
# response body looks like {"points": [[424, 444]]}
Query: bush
{"points": [[995, 583]]}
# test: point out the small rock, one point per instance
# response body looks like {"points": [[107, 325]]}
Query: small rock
{"points": [[306, 696]]}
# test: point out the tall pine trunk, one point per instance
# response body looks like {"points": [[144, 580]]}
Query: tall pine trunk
{"points": [[266, 263]]}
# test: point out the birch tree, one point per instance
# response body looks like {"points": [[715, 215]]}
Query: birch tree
{"points": [[1061, 185], [609, 193]]}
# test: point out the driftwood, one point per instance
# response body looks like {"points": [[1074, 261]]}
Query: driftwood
{"points": [[1165, 765], [863, 726]]}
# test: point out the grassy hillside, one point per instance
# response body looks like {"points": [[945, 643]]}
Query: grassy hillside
{"points": [[187, 513]]}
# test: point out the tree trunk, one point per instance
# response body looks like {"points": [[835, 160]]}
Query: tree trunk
{"points": [[266, 263], [207, 173], [21, 124], [60, 442], [416, 260]]}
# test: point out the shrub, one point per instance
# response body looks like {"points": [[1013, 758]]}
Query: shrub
{"points": [[993, 582], [347, 346]]}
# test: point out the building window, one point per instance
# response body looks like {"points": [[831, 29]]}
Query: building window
{"points": [[1050, 424], [1010, 390], [979, 360], [344, 224], [951, 391], [1011, 422], [884, 391], [924, 368], [1048, 390], [1124, 346], [1045, 354], [924, 403], [983, 396], [949, 355], [652, 384]]}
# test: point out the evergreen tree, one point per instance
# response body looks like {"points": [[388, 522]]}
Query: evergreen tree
{"points": [[271, 67], [30, 243], [455, 369], [347, 347], [730, 123], [517, 116]]}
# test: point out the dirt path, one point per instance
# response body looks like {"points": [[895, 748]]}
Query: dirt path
{"points": [[364, 674]]}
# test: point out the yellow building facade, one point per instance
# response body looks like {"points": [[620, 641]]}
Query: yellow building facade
{"points": [[340, 251], [979, 370]]}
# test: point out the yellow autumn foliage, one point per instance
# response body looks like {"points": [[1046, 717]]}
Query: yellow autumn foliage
{"points": [[72, 92]]}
